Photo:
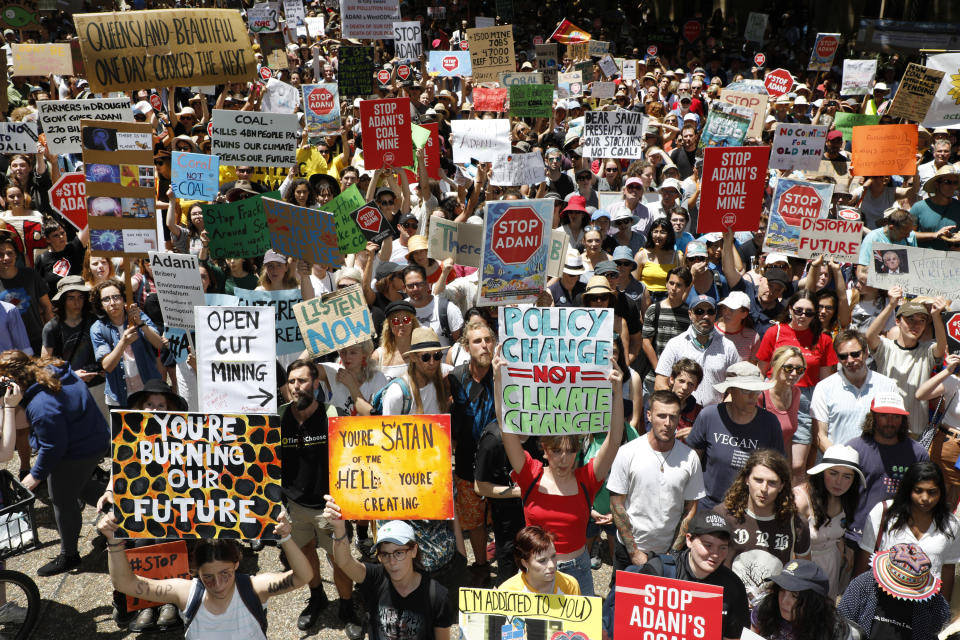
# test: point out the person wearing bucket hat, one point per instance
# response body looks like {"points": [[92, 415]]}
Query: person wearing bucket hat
{"points": [[568, 287], [939, 214], [574, 218], [632, 204], [157, 395], [424, 388], [898, 598], [796, 605], [625, 282]]}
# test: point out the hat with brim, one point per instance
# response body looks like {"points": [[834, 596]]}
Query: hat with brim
{"points": [[574, 264], [930, 186], [398, 306], [323, 181], [387, 269], [241, 189], [70, 283], [839, 455], [745, 376], [397, 532], [903, 571], [150, 387], [598, 286], [423, 340], [803, 575], [417, 243]]}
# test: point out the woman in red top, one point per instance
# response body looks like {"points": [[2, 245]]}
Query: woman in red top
{"points": [[557, 497]]}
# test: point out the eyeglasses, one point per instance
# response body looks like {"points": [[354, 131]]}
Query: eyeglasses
{"points": [[794, 368], [415, 285], [700, 311], [591, 227], [850, 354], [804, 312], [697, 259], [633, 187], [401, 320], [610, 169], [952, 183], [553, 159], [244, 170], [826, 307], [624, 263], [396, 556], [113, 298], [409, 225], [386, 203], [436, 356]]}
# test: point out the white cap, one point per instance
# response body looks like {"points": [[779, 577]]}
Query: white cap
{"points": [[773, 258], [736, 300], [671, 183], [573, 266]]}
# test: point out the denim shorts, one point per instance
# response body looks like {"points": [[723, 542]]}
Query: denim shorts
{"points": [[579, 570]]}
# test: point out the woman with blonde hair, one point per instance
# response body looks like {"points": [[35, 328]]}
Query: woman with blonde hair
{"points": [[352, 381], [423, 388], [787, 366], [398, 326], [97, 269]]}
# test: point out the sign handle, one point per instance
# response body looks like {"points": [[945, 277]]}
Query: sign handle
{"points": [[128, 279]]}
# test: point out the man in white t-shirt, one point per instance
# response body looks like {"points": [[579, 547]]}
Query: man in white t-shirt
{"points": [[654, 486], [428, 306]]}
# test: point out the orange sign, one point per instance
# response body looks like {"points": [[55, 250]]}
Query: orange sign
{"points": [[391, 467], [885, 150], [158, 561]]}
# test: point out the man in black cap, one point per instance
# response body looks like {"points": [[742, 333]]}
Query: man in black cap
{"points": [[765, 305], [407, 225]]}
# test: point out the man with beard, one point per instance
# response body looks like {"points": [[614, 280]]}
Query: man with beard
{"points": [[305, 481]]}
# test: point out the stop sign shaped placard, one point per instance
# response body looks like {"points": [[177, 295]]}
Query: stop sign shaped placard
{"points": [[368, 218], [517, 235], [799, 202], [827, 46], [778, 82], [383, 76], [321, 101], [266, 73], [691, 30], [68, 197], [450, 62], [953, 327]]}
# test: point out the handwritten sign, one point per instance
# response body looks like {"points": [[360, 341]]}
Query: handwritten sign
{"points": [[834, 239], [195, 176], [508, 79], [858, 76], [461, 241], [237, 229], [491, 51], [336, 322], [798, 146], [485, 99], [517, 169], [315, 27], [350, 238], [613, 134], [61, 119], [481, 140], [845, 122], [515, 615], [755, 102], [531, 100], [282, 301], [921, 272], [302, 232], [915, 92], [164, 47], [943, 110], [392, 467], [386, 133], [196, 475], [369, 19], [264, 18], [355, 71], [42, 59], [794, 200], [179, 287], [18, 137], [648, 606], [733, 182], [885, 149], [515, 239], [407, 40], [158, 562], [557, 255], [255, 137]]}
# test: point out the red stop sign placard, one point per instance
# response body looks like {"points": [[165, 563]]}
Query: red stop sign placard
{"points": [[320, 101], [652, 50], [383, 76], [266, 73], [156, 102], [778, 82], [953, 327], [760, 59], [450, 62], [799, 202], [517, 235], [368, 218], [68, 197], [691, 30], [827, 46]]}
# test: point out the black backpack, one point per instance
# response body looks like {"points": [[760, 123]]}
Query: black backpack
{"points": [[247, 595]]}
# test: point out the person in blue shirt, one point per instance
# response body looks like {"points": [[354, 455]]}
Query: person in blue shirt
{"points": [[897, 227], [938, 215]]}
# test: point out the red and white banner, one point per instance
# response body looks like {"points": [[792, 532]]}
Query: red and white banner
{"points": [[732, 188], [655, 607]]}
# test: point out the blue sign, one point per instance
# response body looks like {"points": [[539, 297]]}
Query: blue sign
{"points": [[289, 339], [449, 63], [195, 176]]}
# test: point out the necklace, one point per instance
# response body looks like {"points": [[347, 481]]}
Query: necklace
{"points": [[662, 458]]}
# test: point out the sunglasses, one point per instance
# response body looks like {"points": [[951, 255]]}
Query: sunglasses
{"points": [[697, 259], [624, 264], [386, 203], [850, 354], [623, 223], [436, 356], [401, 320], [809, 313], [409, 225], [700, 311], [952, 183], [794, 368]]}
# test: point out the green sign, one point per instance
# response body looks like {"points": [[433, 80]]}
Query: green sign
{"points": [[531, 100], [238, 229], [350, 238], [845, 122]]}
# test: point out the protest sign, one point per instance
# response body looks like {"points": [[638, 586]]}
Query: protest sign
{"points": [[350, 238], [557, 256], [315, 26], [321, 109], [557, 362], [264, 18], [164, 47], [613, 134], [121, 193], [915, 92], [491, 51], [374, 226], [508, 79], [921, 272], [449, 63], [237, 229], [431, 150], [61, 119], [649, 606], [157, 562], [777, 82], [369, 19], [597, 48], [288, 335], [20, 137], [386, 133], [858, 76], [179, 287], [280, 97], [824, 49], [391, 467], [755, 102], [255, 137], [547, 56], [461, 241], [603, 90], [586, 71], [68, 197], [794, 200], [194, 176], [732, 188], [531, 100], [196, 475], [516, 615], [355, 71], [845, 122], [608, 66], [578, 50], [302, 232], [756, 27], [516, 235], [518, 169], [481, 140], [339, 320], [569, 84], [727, 126], [945, 109], [294, 14], [485, 99], [628, 70], [834, 239], [798, 146], [236, 359], [885, 149], [42, 59], [407, 40]]}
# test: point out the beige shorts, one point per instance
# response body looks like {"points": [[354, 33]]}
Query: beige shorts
{"points": [[309, 524]]}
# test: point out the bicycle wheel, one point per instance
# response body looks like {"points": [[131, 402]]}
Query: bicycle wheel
{"points": [[19, 605]]}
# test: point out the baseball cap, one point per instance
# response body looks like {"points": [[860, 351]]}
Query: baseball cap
{"points": [[396, 531], [386, 269], [736, 300], [775, 258], [696, 249], [777, 275], [709, 522], [833, 135], [912, 308], [672, 183], [273, 256], [803, 575], [632, 181], [889, 402], [702, 299]]}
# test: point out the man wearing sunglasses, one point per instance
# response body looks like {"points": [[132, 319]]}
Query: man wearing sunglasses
{"points": [[407, 227], [938, 215], [841, 401], [428, 306]]}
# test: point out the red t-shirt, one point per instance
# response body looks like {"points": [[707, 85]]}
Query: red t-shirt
{"points": [[565, 516], [817, 355]]}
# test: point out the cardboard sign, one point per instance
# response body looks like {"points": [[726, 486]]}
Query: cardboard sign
{"points": [[794, 200], [578, 50], [651, 607], [392, 467], [491, 51], [350, 238], [755, 102], [515, 615], [531, 100], [485, 99], [603, 90], [613, 134], [823, 52], [194, 176], [798, 146], [628, 70], [557, 257], [159, 562], [386, 133], [315, 27], [481, 140], [264, 18], [449, 64], [355, 71], [302, 232], [179, 287], [516, 235], [835, 239], [237, 229], [569, 84], [61, 119], [294, 14], [555, 379], [196, 475], [518, 169], [915, 92], [547, 56], [20, 137], [255, 137], [282, 301], [321, 109], [236, 359], [42, 59], [921, 272], [727, 126], [369, 19], [461, 241], [407, 40], [732, 188], [845, 122], [756, 27], [508, 79], [885, 149], [858, 76], [196, 47], [945, 109], [598, 47], [339, 320]]}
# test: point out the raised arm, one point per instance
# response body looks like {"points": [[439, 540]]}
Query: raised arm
{"points": [[299, 574], [608, 450], [511, 442], [354, 569], [876, 327], [933, 387], [727, 260], [940, 304]]}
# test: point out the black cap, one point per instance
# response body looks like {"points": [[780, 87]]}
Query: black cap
{"points": [[777, 275], [803, 575], [709, 522], [387, 269], [407, 217], [383, 190], [399, 305], [176, 402]]}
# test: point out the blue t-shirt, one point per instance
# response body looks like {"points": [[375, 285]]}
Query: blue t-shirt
{"points": [[933, 217], [879, 236]]}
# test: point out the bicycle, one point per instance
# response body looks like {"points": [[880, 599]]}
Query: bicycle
{"points": [[19, 595]]}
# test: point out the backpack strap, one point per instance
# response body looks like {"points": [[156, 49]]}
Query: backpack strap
{"points": [[193, 605], [251, 600], [669, 562], [407, 396], [882, 528], [442, 304]]}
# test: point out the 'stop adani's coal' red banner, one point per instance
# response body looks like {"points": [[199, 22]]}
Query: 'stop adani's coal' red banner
{"points": [[387, 140], [732, 183], [655, 607]]}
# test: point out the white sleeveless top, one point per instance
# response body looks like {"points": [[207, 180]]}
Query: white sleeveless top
{"points": [[236, 623]]}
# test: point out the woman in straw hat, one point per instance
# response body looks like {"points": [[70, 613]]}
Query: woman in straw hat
{"points": [[424, 378]]}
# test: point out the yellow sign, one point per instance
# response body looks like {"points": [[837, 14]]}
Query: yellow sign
{"points": [[518, 614], [42, 59]]}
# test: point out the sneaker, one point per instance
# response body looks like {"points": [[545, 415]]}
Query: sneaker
{"points": [[12, 613], [169, 618], [365, 547], [595, 562], [60, 564], [146, 620], [347, 614], [311, 613]]}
